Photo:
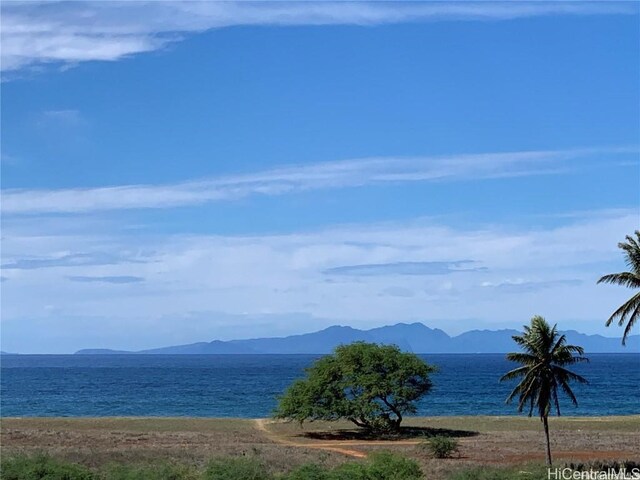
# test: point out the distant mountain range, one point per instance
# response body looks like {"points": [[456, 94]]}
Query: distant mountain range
{"points": [[414, 337]]}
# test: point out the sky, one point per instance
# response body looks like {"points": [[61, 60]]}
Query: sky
{"points": [[175, 172]]}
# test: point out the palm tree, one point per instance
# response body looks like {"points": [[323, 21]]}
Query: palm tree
{"points": [[544, 356], [631, 279]]}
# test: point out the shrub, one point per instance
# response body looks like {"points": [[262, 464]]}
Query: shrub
{"points": [[308, 472], [390, 466], [240, 468], [350, 471], [149, 472], [441, 446], [381, 466], [42, 467]]}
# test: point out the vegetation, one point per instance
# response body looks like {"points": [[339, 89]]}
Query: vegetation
{"points": [[526, 472], [371, 385], [380, 466], [630, 310], [159, 471], [42, 467], [440, 446], [544, 356], [236, 469]]}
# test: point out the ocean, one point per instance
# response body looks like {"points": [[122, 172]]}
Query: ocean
{"points": [[247, 385]]}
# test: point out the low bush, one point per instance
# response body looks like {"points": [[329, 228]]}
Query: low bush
{"points": [[390, 466], [166, 471], [441, 446], [239, 468], [350, 471], [380, 466], [42, 467], [309, 471]]}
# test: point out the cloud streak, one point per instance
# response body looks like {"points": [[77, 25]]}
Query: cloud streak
{"points": [[521, 286], [339, 174], [68, 260], [119, 279], [35, 33], [404, 268]]}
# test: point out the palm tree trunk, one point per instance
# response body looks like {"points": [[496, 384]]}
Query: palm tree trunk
{"points": [[545, 422]]}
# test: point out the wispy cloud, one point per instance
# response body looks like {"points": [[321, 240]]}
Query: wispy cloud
{"points": [[67, 260], [70, 117], [347, 173], [522, 286], [405, 268], [394, 291], [6, 159], [106, 279], [70, 32]]}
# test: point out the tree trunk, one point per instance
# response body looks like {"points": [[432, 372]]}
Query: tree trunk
{"points": [[395, 423], [545, 422], [359, 423]]}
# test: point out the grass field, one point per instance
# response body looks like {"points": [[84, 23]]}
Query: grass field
{"points": [[491, 441]]}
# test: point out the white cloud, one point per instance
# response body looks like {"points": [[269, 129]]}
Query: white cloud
{"points": [[281, 277], [72, 117], [347, 173], [69, 32]]}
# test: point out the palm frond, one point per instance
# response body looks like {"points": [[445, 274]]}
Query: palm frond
{"points": [[515, 373], [631, 279], [524, 358], [559, 344], [624, 310], [567, 390], [563, 373], [555, 397], [626, 279], [632, 320]]}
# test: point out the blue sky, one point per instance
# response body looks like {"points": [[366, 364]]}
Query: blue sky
{"points": [[178, 172]]}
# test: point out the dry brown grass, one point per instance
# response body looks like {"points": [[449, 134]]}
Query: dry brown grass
{"points": [[483, 440]]}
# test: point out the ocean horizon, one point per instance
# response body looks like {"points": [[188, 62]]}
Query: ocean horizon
{"points": [[247, 385]]}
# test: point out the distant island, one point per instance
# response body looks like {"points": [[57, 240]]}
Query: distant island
{"points": [[414, 337]]}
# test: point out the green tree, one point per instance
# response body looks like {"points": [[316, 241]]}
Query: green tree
{"points": [[543, 357], [371, 385], [630, 310]]}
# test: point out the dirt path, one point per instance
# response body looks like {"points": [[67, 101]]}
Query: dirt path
{"points": [[334, 446]]}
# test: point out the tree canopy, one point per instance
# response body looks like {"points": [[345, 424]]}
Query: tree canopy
{"points": [[371, 385]]}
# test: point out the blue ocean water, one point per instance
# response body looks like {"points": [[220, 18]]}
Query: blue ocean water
{"points": [[247, 385]]}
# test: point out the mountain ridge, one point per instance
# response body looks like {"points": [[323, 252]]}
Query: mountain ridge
{"points": [[413, 337]]}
